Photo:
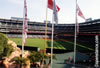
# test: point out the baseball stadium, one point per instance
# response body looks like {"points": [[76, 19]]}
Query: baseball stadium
{"points": [[63, 45]]}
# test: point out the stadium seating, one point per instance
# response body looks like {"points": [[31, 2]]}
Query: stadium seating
{"points": [[85, 37]]}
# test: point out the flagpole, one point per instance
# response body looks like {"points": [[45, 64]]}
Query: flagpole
{"points": [[75, 34], [23, 32], [52, 35], [46, 27], [52, 41]]}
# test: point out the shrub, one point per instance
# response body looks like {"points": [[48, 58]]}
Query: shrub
{"points": [[5, 49]]}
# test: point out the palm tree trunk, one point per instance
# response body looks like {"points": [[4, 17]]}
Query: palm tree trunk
{"points": [[43, 64], [48, 66]]}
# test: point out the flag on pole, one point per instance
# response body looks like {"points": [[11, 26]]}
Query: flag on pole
{"points": [[79, 12], [25, 25], [52, 5]]}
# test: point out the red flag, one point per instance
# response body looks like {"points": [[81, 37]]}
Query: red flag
{"points": [[80, 12], [50, 5]]}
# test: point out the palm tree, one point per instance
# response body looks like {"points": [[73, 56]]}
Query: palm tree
{"points": [[37, 57], [18, 61], [40, 57]]}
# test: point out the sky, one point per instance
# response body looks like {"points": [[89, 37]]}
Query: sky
{"points": [[37, 10]]}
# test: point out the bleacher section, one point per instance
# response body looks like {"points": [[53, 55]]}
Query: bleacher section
{"points": [[9, 25]]}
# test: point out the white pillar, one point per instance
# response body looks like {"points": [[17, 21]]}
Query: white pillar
{"points": [[96, 51]]}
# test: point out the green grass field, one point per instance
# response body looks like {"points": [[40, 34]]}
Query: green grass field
{"points": [[37, 43], [59, 44], [30, 42]]}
